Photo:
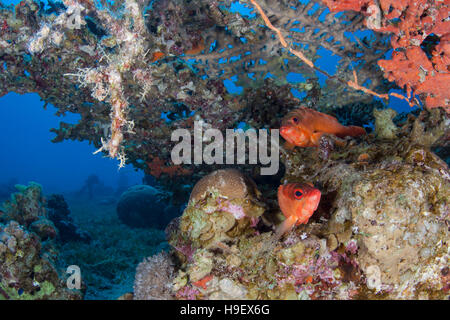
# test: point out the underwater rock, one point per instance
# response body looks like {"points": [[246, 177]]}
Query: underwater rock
{"points": [[432, 129], [144, 206], [44, 228], [26, 269], [399, 221], [223, 205], [59, 214], [154, 278]]}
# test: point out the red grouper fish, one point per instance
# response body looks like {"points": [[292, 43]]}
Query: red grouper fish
{"points": [[303, 127], [297, 201]]}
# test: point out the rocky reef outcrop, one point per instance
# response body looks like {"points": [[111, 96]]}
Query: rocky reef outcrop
{"points": [[222, 206], [28, 252]]}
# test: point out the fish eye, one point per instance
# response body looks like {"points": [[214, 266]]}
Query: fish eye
{"points": [[298, 194], [295, 120]]}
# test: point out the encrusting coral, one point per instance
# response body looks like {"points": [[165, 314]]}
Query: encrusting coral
{"points": [[223, 205]]}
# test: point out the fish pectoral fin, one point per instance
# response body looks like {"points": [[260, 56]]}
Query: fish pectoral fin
{"points": [[315, 137], [285, 226]]}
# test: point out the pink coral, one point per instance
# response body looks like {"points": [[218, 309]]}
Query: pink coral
{"points": [[236, 210], [187, 293]]}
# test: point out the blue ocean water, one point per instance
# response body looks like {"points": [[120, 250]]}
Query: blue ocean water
{"points": [[29, 155]]}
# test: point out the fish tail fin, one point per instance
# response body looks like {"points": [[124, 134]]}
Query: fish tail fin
{"points": [[354, 131], [285, 226]]}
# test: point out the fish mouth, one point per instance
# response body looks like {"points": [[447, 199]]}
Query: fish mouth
{"points": [[287, 133]]}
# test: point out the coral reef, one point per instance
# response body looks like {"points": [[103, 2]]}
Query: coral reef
{"points": [[28, 255], [380, 231], [136, 70], [223, 205], [391, 198], [27, 270]]}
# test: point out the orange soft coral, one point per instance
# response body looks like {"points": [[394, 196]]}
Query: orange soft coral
{"points": [[157, 167], [411, 22]]}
